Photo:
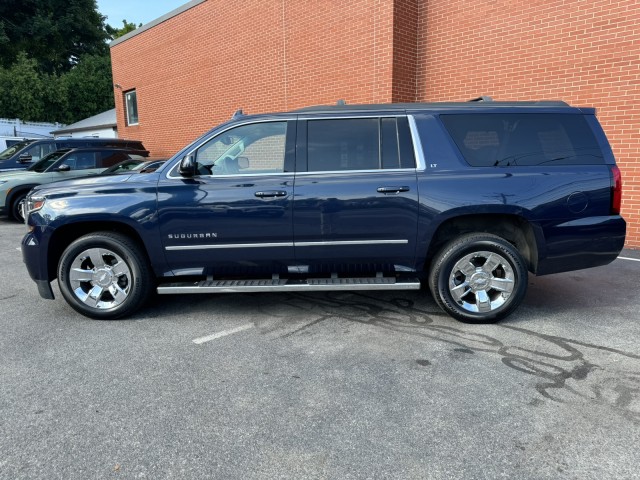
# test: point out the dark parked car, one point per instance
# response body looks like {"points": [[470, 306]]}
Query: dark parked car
{"points": [[465, 197], [60, 165], [134, 166], [24, 154]]}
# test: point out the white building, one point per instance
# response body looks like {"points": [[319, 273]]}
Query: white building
{"points": [[102, 125]]}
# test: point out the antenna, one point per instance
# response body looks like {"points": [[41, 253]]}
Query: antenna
{"points": [[239, 113]]}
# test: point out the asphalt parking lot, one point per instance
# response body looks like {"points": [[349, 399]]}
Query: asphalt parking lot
{"points": [[322, 385]]}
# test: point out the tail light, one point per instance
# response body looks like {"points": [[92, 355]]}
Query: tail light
{"points": [[616, 190]]}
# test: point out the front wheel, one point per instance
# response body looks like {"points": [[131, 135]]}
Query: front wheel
{"points": [[104, 275], [478, 278], [17, 206]]}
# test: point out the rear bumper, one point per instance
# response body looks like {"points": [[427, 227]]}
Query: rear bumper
{"points": [[584, 243]]}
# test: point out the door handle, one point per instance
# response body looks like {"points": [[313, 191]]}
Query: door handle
{"points": [[271, 193], [395, 190]]}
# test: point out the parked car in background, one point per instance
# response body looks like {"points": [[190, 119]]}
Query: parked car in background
{"points": [[25, 153], [134, 166], [125, 166], [62, 164], [6, 142]]}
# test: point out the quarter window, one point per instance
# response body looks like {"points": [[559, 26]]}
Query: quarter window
{"points": [[131, 106]]}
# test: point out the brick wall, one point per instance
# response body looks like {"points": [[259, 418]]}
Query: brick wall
{"points": [[194, 70], [585, 52]]}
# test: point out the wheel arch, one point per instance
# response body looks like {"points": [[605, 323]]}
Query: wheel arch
{"points": [[65, 234], [515, 229], [16, 191]]}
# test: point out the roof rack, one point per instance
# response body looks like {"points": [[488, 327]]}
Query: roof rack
{"points": [[482, 98]]}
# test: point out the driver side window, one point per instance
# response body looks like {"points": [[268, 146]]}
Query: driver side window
{"points": [[245, 150]]}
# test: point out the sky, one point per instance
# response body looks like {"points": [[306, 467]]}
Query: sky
{"points": [[136, 11]]}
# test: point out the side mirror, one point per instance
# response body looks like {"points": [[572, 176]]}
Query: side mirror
{"points": [[188, 167], [25, 158], [63, 168]]}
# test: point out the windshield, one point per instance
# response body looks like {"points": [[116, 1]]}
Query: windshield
{"points": [[46, 162], [9, 152]]}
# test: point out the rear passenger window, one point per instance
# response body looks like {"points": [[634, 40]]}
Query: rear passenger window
{"points": [[501, 140], [354, 144]]}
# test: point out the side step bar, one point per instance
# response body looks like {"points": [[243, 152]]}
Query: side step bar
{"points": [[283, 285]]}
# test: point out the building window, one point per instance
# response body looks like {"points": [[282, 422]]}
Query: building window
{"points": [[131, 104]]}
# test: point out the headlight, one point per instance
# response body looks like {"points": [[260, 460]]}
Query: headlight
{"points": [[34, 203]]}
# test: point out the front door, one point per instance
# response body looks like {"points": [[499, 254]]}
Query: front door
{"points": [[235, 215]]}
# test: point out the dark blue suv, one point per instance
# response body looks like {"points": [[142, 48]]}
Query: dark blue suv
{"points": [[464, 197]]}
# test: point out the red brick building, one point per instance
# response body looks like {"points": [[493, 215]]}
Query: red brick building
{"points": [[195, 66]]}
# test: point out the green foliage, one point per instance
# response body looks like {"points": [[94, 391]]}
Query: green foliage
{"points": [[118, 32], [54, 60], [55, 33], [89, 87]]}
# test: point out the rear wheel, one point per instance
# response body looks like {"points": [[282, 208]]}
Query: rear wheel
{"points": [[104, 275], [478, 278]]}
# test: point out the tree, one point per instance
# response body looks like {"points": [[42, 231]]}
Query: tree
{"points": [[118, 32], [89, 87], [22, 90], [55, 33]]}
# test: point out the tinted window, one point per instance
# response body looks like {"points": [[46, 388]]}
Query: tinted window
{"points": [[357, 144], [487, 140], [390, 152], [350, 144], [80, 160], [109, 158]]}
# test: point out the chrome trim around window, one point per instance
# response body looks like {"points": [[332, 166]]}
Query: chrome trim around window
{"points": [[334, 172], [286, 244], [417, 144]]}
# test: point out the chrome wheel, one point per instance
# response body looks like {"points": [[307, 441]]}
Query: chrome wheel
{"points": [[100, 278], [481, 282], [478, 278]]}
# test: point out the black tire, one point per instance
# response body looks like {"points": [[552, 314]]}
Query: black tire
{"points": [[16, 214], [478, 278], [111, 276]]}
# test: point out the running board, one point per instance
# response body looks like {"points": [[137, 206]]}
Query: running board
{"points": [[284, 285]]}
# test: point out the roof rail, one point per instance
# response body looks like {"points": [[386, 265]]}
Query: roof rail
{"points": [[483, 98]]}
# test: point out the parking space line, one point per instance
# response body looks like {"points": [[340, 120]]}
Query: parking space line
{"points": [[224, 333], [632, 259]]}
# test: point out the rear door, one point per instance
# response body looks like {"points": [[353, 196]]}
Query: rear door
{"points": [[356, 204]]}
